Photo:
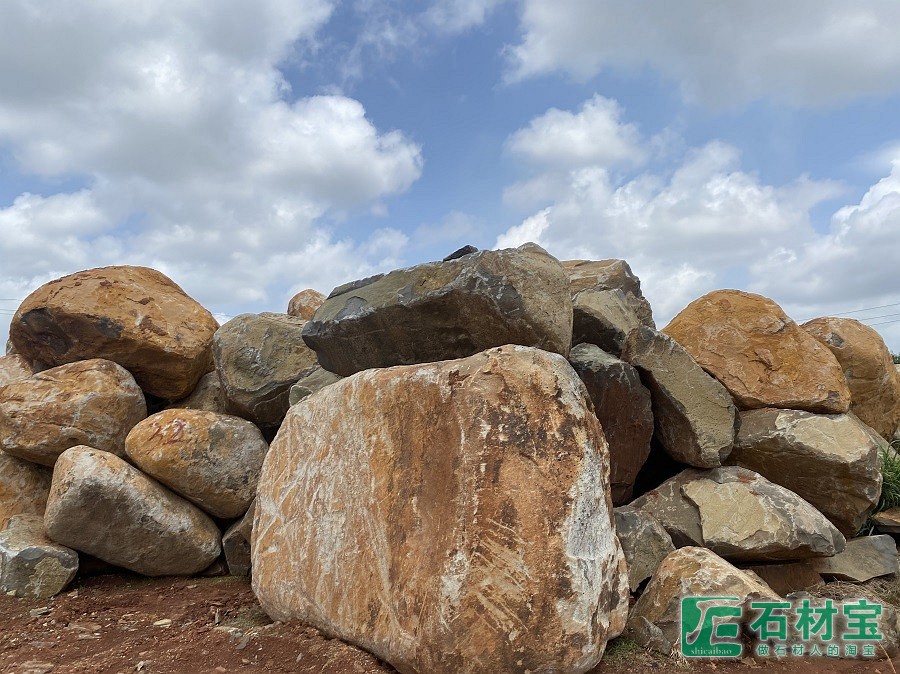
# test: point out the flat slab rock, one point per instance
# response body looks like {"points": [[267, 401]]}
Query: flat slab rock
{"points": [[862, 559], [447, 517], [31, 565], [443, 310], [740, 516], [762, 357], [693, 414], [833, 461], [105, 507], [133, 316], [94, 402], [868, 367]]}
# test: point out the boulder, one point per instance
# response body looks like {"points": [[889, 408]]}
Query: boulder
{"points": [[443, 310], [622, 405], [740, 516], [887, 521], [236, 544], [14, 368], [691, 572], [761, 356], [31, 565], [134, 316], [305, 304], [207, 396], [788, 578], [446, 517], [862, 559], [604, 318], [104, 507], [258, 358], [314, 380], [644, 541], [832, 461], [212, 460], [868, 368], [693, 414], [92, 402], [610, 275], [24, 487]]}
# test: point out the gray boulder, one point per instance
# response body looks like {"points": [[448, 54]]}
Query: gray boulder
{"points": [[444, 310], [645, 543], [610, 275], [31, 565], [314, 380], [604, 318]]}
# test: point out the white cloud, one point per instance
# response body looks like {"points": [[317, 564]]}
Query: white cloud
{"points": [[456, 16], [194, 155], [684, 233], [808, 52], [592, 136]]}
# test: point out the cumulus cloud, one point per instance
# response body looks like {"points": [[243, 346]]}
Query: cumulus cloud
{"points": [[191, 151], [685, 232], [807, 52]]}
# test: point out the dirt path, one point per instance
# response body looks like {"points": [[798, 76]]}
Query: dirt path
{"points": [[111, 624]]}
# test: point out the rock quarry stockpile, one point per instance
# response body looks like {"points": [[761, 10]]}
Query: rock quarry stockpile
{"points": [[492, 463]]}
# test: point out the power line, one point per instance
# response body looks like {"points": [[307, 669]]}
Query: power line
{"points": [[873, 318]]}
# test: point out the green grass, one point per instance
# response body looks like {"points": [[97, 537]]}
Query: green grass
{"points": [[621, 650], [890, 483]]}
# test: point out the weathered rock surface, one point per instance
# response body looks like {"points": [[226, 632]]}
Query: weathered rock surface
{"points": [[236, 544], [449, 517], [443, 310], [103, 506], [24, 487], [610, 275], [92, 402], [14, 368], [832, 461], [788, 578], [740, 516], [887, 521], [258, 358], [134, 316], [305, 304], [31, 565], [864, 558], [314, 380], [622, 405], [644, 541], [604, 318], [691, 572], [761, 356], [693, 414], [213, 460], [868, 367], [207, 396]]}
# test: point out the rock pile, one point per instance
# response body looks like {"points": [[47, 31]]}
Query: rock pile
{"points": [[492, 463]]}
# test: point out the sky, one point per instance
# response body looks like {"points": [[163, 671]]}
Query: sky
{"points": [[251, 150]]}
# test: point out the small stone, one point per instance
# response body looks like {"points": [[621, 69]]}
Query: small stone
{"points": [[31, 565], [305, 304], [310, 382], [644, 541], [236, 544], [164, 622]]}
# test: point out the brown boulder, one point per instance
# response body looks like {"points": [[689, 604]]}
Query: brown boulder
{"points": [[103, 506], [442, 310], [134, 316], [622, 405], [832, 461], [761, 356], [258, 358], [206, 396], [213, 460], [446, 517], [14, 368], [24, 487], [868, 367], [91, 401], [305, 304], [610, 275]]}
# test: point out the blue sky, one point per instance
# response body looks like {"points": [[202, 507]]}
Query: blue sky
{"points": [[250, 150]]}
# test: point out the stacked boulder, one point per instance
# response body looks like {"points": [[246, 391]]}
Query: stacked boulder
{"points": [[495, 462]]}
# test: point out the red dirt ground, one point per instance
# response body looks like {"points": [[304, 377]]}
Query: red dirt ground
{"points": [[112, 624]]}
